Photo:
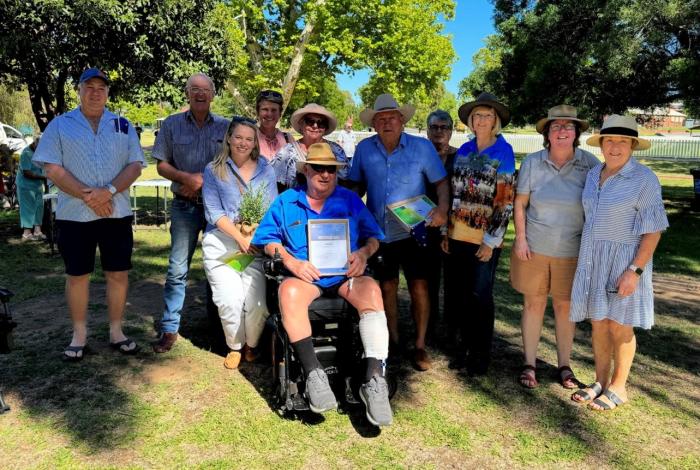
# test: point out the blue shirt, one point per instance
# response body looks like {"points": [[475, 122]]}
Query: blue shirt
{"points": [[93, 158], [223, 198], [26, 163], [395, 177], [187, 147], [286, 220]]}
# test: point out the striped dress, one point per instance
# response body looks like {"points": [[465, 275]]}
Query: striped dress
{"points": [[616, 216]]}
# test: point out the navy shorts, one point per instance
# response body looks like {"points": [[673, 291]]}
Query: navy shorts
{"points": [[406, 254], [78, 241]]}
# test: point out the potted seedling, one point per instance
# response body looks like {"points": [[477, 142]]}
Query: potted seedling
{"points": [[251, 211]]}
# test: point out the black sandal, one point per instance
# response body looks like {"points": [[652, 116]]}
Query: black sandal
{"points": [[79, 353], [570, 377], [121, 345], [585, 396]]}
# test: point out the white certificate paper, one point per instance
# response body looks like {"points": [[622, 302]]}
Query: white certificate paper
{"points": [[329, 245]]}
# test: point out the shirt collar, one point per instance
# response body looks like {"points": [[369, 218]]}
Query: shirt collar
{"points": [[191, 118], [380, 145], [303, 201]]}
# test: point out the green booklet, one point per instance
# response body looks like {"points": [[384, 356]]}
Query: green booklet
{"points": [[238, 261]]}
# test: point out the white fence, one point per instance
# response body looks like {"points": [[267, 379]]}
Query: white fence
{"points": [[661, 147]]}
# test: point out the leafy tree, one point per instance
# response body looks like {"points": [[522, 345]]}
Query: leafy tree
{"points": [[297, 46], [149, 47], [601, 56], [14, 107]]}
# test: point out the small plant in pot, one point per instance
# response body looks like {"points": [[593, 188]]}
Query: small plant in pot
{"points": [[251, 211]]}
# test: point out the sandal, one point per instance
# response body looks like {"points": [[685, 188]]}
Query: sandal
{"points": [[583, 396], [527, 379], [567, 380], [125, 347], [615, 401], [78, 353]]}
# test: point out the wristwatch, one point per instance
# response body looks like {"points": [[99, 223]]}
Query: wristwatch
{"points": [[112, 190], [635, 269]]}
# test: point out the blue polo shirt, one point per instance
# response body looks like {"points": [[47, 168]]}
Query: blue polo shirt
{"points": [[395, 177], [286, 220], [94, 159]]}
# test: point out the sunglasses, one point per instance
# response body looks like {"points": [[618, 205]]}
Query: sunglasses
{"points": [[321, 168], [237, 119], [320, 123], [267, 94]]}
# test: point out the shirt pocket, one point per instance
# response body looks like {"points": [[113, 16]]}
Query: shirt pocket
{"points": [[411, 173]]}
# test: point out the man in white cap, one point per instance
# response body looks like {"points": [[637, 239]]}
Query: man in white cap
{"points": [[393, 166], [93, 156]]}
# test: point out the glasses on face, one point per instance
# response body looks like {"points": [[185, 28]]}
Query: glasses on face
{"points": [[443, 128], [566, 127], [320, 123], [484, 116], [321, 168], [196, 89]]}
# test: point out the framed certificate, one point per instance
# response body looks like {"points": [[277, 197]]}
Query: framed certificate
{"points": [[411, 212], [329, 245]]}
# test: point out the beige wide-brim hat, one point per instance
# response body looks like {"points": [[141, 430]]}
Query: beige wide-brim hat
{"points": [[297, 119], [385, 103], [619, 126], [485, 99], [561, 111], [319, 154]]}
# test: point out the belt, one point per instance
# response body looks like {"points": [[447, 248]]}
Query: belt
{"points": [[196, 200]]}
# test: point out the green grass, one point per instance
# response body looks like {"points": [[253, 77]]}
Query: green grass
{"points": [[184, 410]]}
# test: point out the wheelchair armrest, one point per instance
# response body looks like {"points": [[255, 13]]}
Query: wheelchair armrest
{"points": [[5, 295]]}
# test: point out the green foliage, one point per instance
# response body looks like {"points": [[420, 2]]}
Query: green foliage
{"points": [[145, 114], [148, 47], [15, 108], [253, 205], [601, 56]]}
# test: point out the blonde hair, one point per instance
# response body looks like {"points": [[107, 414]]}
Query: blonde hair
{"points": [[497, 125], [219, 162]]}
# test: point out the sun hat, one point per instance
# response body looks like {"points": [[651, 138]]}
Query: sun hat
{"points": [[561, 111], [319, 154], [619, 126], [385, 103], [297, 119], [485, 99], [93, 72]]}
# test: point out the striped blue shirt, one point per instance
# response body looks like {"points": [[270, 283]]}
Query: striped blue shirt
{"points": [[94, 159], [627, 206], [223, 198], [186, 146]]}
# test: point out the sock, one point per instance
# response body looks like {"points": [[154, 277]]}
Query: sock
{"points": [[304, 349], [375, 368], [375, 335]]}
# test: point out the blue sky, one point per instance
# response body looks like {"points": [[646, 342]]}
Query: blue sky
{"points": [[472, 23]]}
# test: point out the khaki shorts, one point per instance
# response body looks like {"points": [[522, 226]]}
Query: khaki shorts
{"points": [[542, 275]]}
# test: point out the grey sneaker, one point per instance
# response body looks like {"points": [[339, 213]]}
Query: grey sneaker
{"points": [[319, 393], [375, 396]]}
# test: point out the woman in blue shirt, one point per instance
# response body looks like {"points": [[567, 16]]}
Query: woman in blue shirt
{"points": [[239, 294], [30, 191]]}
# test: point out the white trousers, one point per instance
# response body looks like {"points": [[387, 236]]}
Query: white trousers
{"points": [[240, 297]]}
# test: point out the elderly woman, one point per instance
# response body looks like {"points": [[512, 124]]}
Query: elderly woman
{"points": [[268, 106], [313, 122], [548, 219], [482, 201], [238, 293], [30, 191], [440, 126], [612, 288]]}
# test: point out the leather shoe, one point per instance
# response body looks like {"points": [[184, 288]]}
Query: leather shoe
{"points": [[165, 343], [421, 360]]}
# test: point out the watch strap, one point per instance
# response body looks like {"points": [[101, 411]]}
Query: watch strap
{"points": [[635, 269]]}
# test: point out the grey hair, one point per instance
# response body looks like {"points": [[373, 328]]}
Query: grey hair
{"points": [[203, 75], [440, 115]]}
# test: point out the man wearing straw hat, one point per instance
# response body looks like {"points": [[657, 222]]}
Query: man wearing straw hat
{"points": [[283, 230], [392, 166]]}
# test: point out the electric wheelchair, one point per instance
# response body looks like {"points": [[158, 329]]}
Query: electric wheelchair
{"points": [[336, 337]]}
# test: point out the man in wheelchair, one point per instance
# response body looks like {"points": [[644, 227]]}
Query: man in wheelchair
{"points": [[283, 230]]}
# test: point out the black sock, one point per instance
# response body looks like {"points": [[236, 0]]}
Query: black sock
{"points": [[375, 367], [304, 349]]}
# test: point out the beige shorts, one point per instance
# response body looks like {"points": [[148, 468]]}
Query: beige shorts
{"points": [[542, 275]]}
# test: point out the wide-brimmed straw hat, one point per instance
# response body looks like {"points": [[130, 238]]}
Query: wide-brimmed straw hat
{"points": [[561, 111], [383, 104], [297, 119], [619, 126], [319, 154], [485, 99]]}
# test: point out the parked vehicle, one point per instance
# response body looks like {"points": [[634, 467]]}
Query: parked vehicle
{"points": [[12, 138]]}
